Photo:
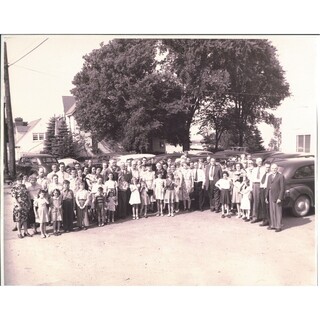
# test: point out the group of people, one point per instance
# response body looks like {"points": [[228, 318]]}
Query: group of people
{"points": [[140, 188]]}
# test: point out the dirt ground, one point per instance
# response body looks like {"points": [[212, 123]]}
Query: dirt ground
{"points": [[197, 248]]}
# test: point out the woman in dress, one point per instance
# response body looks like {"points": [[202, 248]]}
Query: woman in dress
{"points": [[82, 200], [148, 178], [186, 186], [21, 206]]}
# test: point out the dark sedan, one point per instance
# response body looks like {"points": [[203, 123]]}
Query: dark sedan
{"points": [[299, 184]]}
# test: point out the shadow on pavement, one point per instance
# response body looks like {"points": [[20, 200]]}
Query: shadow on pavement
{"points": [[291, 221]]}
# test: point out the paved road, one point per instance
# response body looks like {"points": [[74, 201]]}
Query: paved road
{"points": [[197, 248]]}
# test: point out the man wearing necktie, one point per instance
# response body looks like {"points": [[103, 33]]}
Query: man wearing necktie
{"points": [[213, 173], [257, 173], [265, 215], [274, 197], [199, 178]]}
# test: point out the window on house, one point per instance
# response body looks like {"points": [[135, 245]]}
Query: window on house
{"points": [[303, 143], [38, 136]]}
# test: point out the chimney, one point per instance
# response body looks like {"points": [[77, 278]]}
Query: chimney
{"points": [[18, 121]]}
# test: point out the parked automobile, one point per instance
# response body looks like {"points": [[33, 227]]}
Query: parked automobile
{"points": [[199, 153], [31, 162], [299, 184], [230, 153], [282, 155], [68, 161], [133, 156], [164, 156]]}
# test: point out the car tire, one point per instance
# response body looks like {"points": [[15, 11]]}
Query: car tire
{"points": [[301, 206]]}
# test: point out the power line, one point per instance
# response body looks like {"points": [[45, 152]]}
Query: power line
{"points": [[47, 74], [11, 64]]}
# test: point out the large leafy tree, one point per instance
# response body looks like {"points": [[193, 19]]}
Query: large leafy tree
{"points": [[242, 79], [257, 83], [122, 95], [192, 63]]}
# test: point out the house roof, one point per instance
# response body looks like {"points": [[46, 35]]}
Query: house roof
{"points": [[71, 110], [68, 102], [24, 129]]}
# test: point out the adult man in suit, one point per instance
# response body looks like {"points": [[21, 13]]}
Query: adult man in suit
{"points": [[275, 193], [265, 215], [213, 173]]}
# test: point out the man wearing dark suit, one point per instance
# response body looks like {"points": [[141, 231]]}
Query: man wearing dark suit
{"points": [[275, 193], [213, 173]]}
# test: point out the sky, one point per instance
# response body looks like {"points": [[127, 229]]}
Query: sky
{"points": [[40, 79]]}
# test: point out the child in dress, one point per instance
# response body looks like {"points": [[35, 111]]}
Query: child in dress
{"points": [[111, 205], [145, 199], [245, 190], [99, 203], [224, 185], [40, 206], [169, 196], [158, 187], [135, 199], [56, 211]]}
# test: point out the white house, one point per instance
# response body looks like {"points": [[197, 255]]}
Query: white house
{"points": [[69, 107], [29, 136], [299, 130]]}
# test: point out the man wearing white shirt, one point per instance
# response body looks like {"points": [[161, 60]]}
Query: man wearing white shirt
{"points": [[42, 180], [62, 174], [199, 179], [265, 214], [255, 181]]}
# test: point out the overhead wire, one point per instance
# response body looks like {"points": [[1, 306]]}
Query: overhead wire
{"points": [[11, 64]]}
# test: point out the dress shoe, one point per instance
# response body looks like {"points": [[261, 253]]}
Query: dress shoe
{"points": [[254, 221], [15, 229], [263, 224], [270, 228], [278, 229]]}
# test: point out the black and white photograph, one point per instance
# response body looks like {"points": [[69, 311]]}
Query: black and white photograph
{"points": [[159, 160]]}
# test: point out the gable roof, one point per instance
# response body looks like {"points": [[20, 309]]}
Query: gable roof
{"points": [[71, 111], [68, 102], [24, 129]]}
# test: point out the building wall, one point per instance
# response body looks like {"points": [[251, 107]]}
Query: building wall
{"points": [[28, 144], [299, 121]]}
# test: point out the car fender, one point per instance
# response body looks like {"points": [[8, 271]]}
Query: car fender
{"points": [[296, 191]]}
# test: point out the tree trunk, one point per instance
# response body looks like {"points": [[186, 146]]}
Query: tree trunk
{"points": [[186, 142]]}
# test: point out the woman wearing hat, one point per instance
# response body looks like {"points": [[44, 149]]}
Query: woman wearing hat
{"points": [[21, 206]]}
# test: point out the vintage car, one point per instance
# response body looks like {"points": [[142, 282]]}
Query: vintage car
{"points": [[276, 156], [299, 184], [30, 163]]}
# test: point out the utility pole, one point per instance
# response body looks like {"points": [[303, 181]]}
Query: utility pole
{"points": [[8, 116]]}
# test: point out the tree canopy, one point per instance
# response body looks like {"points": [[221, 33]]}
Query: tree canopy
{"points": [[121, 95], [132, 89]]}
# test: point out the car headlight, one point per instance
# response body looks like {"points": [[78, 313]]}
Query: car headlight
{"points": [[287, 193]]}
